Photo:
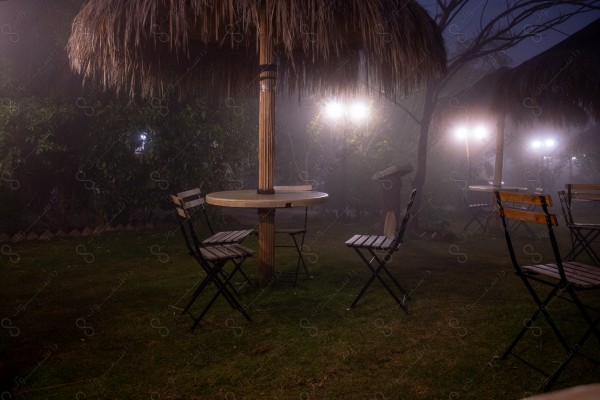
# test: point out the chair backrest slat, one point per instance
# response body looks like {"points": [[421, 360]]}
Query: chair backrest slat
{"points": [[565, 207], [582, 186], [193, 203], [177, 201], [181, 212], [508, 207], [530, 216], [516, 211], [189, 193], [582, 191], [192, 198], [526, 198], [185, 212]]}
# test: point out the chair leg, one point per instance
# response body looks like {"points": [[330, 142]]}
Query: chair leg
{"points": [[375, 274], [300, 259], [592, 328], [471, 221], [582, 242], [234, 303], [197, 293], [222, 289], [238, 268], [363, 290], [542, 309], [592, 323], [570, 351]]}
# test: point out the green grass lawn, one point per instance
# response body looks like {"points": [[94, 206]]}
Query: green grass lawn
{"points": [[98, 317]]}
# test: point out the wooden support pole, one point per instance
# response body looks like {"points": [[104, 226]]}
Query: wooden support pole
{"points": [[266, 149], [499, 152]]}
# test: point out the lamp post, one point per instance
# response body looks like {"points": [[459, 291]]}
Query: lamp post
{"points": [[467, 133], [544, 147], [572, 160], [345, 114]]}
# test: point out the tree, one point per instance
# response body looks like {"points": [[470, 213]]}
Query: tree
{"points": [[498, 30], [71, 156]]}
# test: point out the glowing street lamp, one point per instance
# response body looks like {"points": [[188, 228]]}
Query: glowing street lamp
{"points": [[468, 133], [545, 145], [343, 113], [356, 111], [334, 110]]}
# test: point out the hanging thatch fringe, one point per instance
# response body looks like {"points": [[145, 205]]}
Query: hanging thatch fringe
{"points": [[149, 47]]}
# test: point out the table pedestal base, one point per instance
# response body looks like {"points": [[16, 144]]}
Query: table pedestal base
{"points": [[266, 245]]}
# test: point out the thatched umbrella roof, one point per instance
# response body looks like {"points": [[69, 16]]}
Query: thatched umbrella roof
{"points": [[220, 47], [560, 85], [147, 47]]}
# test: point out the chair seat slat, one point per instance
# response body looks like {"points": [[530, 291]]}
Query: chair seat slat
{"points": [[361, 240], [209, 253], [387, 243], [229, 237], [216, 238], [379, 241], [244, 249], [572, 274], [370, 241], [241, 235], [352, 240]]}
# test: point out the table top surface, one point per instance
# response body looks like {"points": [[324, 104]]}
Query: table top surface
{"points": [[491, 188], [584, 392], [280, 199]]}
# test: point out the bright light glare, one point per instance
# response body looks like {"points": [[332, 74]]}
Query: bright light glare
{"points": [[461, 133], [359, 111], [537, 144], [480, 132], [334, 110]]}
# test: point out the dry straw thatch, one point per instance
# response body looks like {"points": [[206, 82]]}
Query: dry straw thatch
{"points": [[150, 47], [561, 85]]}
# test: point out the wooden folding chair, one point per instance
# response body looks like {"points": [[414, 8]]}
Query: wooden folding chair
{"points": [[583, 234], [376, 252], [212, 259], [296, 232], [193, 202], [559, 276]]}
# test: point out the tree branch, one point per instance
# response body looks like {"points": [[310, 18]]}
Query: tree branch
{"points": [[509, 28]]}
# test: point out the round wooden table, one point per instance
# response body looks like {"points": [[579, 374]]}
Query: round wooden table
{"points": [[491, 188], [584, 392], [266, 205]]}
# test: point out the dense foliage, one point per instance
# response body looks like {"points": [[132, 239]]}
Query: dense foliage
{"points": [[89, 158]]}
